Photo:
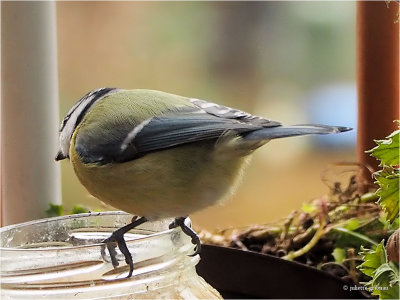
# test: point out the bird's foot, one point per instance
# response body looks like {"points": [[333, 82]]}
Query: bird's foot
{"points": [[117, 239], [188, 231]]}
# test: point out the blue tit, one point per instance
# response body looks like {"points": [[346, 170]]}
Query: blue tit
{"points": [[160, 155]]}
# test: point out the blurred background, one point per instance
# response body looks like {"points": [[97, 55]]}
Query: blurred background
{"points": [[288, 61]]}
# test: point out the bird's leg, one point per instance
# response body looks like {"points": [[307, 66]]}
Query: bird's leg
{"points": [[189, 231], [117, 238]]}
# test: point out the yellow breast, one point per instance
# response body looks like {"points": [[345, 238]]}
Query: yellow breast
{"points": [[169, 183]]}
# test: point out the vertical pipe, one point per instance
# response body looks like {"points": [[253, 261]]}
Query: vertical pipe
{"points": [[377, 76], [29, 116], [1, 130]]}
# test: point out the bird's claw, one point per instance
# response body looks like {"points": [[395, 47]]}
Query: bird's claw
{"points": [[188, 231], [111, 249], [117, 239]]}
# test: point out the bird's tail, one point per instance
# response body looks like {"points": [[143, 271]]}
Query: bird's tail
{"points": [[245, 143], [293, 130]]}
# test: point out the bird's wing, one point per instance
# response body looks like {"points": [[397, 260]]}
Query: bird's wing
{"points": [[232, 113], [199, 122]]}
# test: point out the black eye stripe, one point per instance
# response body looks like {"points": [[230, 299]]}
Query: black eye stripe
{"points": [[95, 95], [72, 110], [65, 121]]}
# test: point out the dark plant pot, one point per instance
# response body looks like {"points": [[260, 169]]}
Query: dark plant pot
{"points": [[241, 274]]}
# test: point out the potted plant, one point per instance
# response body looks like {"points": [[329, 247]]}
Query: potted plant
{"points": [[334, 247]]}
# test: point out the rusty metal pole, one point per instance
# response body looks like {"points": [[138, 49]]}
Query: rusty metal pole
{"points": [[377, 76]]}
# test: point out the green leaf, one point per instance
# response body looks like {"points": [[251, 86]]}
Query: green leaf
{"points": [[385, 282], [309, 208], [394, 277], [373, 259], [387, 150], [349, 238], [369, 197], [388, 193], [385, 276], [55, 210], [78, 209], [352, 224], [394, 225], [339, 254], [391, 293]]}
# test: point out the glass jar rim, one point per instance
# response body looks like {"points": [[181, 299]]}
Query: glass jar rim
{"points": [[34, 259], [8, 228], [68, 240]]}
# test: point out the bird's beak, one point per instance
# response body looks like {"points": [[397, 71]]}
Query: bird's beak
{"points": [[59, 156]]}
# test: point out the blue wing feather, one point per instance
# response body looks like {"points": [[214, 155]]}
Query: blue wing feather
{"points": [[199, 122]]}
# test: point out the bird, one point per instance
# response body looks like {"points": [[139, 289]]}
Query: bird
{"points": [[158, 155]]}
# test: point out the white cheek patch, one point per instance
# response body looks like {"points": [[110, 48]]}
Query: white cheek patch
{"points": [[66, 134], [77, 111]]}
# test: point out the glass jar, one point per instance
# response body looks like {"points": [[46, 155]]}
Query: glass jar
{"points": [[60, 258]]}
